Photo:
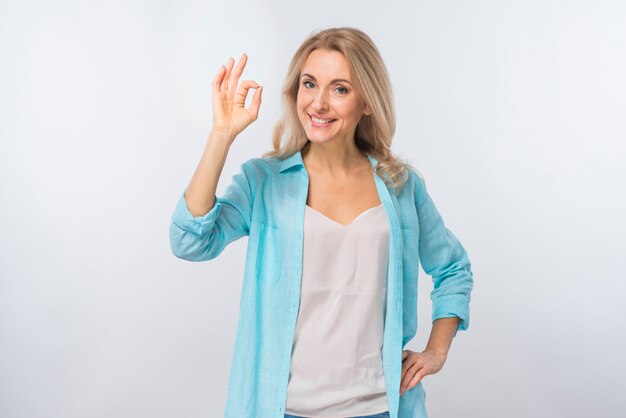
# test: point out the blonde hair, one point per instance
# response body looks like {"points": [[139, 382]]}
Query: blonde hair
{"points": [[374, 132]]}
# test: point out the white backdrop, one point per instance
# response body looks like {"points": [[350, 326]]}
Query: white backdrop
{"points": [[513, 111]]}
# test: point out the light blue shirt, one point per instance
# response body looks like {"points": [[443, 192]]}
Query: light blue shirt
{"points": [[266, 200]]}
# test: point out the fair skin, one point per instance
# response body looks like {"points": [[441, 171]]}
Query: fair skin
{"points": [[230, 117], [335, 166], [416, 365], [337, 177], [341, 183]]}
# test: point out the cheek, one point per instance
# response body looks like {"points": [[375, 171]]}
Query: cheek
{"points": [[300, 101], [300, 108], [349, 111]]}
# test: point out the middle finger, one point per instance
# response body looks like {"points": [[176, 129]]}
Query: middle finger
{"points": [[234, 79]]}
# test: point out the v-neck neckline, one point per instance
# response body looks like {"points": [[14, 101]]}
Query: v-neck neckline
{"points": [[353, 221]]}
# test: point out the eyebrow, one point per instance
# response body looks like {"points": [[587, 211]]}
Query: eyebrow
{"points": [[333, 81]]}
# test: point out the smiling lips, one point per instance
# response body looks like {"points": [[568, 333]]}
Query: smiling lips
{"points": [[320, 123]]}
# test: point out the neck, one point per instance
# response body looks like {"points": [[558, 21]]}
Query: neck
{"points": [[333, 158]]}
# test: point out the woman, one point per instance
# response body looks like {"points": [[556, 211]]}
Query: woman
{"points": [[337, 226]]}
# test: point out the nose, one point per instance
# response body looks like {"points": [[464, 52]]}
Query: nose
{"points": [[320, 101]]}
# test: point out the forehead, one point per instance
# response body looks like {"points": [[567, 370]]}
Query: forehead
{"points": [[325, 64]]}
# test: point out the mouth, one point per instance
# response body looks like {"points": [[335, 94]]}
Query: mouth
{"points": [[320, 123]]}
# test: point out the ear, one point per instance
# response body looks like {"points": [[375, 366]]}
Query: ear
{"points": [[367, 110]]}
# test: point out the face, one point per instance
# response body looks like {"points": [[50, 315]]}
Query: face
{"points": [[329, 107]]}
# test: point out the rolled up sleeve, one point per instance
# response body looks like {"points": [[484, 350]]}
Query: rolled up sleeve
{"points": [[444, 258], [204, 237]]}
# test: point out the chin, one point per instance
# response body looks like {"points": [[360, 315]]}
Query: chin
{"points": [[320, 135], [316, 137]]}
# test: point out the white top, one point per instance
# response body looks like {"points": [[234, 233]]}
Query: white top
{"points": [[336, 361]]}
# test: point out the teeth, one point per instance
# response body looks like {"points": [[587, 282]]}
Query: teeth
{"points": [[316, 120]]}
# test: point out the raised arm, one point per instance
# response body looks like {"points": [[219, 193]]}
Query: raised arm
{"points": [[198, 231]]}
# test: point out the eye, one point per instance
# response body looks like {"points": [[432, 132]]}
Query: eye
{"points": [[304, 83], [344, 90]]}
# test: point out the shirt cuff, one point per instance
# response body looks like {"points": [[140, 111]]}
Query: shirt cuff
{"points": [[446, 306], [198, 225]]}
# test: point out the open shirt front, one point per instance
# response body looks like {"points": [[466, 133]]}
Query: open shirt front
{"points": [[266, 200]]}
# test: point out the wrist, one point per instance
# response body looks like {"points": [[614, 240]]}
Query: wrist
{"points": [[222, 137], [439, 352]]}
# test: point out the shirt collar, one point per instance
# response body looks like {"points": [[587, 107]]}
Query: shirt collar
{"points": [[296, 159]]}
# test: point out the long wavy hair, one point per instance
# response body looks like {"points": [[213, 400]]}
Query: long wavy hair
{"points": [[374, 132]]}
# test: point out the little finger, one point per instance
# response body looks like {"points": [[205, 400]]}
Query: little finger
{"points": [[416, 379]]}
